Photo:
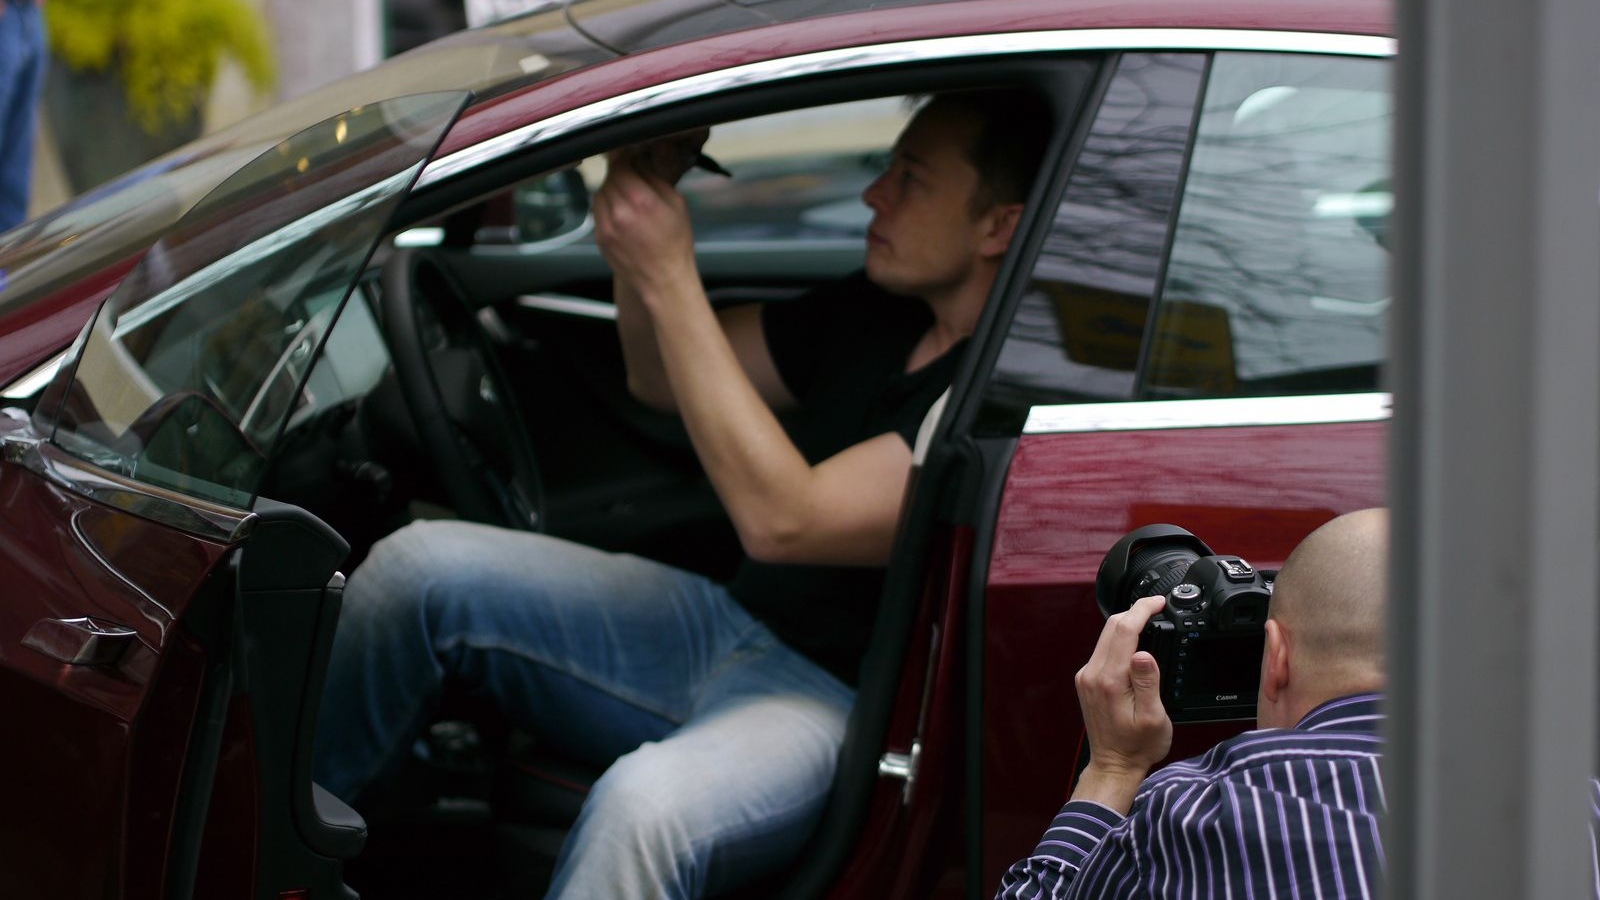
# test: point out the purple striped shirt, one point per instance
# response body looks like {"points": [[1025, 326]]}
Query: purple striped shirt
{"points": [[1286, 813]]}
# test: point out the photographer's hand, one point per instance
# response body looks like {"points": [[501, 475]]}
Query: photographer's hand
{"points": [[1119, 690]]}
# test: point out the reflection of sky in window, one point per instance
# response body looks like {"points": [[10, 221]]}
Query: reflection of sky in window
{"points": [[1283, 144]]}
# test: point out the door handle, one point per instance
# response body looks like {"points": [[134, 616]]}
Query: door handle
{"points": [[80, 642]]}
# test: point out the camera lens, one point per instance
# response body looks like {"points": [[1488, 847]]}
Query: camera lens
{"points": [[1159, 567], [1146, 562]]}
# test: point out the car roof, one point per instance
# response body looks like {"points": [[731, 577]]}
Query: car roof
{"points": [[652, 41], [627, 28]]}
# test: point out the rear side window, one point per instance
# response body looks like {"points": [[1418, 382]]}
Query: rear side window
{"points": [[1080, 327], [1278, 277], [1243, 198]]}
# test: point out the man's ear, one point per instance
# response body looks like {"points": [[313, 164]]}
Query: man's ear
{"points": [[1000, 224], [1275, 668]]}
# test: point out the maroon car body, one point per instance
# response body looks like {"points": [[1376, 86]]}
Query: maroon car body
{"points": [[174, 765]]}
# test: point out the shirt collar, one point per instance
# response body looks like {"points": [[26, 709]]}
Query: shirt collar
{"points": [[1353, 712]]}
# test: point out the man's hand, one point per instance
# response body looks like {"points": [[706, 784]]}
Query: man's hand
{"points": [[666, 158], [642, 224], [1119, 690]]}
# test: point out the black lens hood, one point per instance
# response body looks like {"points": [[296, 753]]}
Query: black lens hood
{"points": [[1111, 583]]}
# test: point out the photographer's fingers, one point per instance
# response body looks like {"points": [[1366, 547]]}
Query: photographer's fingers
{"points": [[1121, 635], [1145, 679], [1119, 692]]}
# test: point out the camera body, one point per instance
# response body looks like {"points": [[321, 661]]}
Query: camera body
{"points": [[1208, 639]]}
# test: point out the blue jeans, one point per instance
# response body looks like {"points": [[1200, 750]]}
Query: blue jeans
{"points": [[721, 741], [22, 62]]}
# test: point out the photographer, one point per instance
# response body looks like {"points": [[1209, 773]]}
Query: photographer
{"points": [[1288, 810]]}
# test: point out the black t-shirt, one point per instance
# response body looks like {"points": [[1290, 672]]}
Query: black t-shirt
{"points": [[842, 351]]}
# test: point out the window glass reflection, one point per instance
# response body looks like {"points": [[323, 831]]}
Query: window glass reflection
{"points": [[1077, 332], [194, 366], [1278, 278]]}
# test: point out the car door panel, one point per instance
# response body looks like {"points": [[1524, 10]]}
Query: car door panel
{"points": [[1250, 491], [67, 557], [127, 497]]}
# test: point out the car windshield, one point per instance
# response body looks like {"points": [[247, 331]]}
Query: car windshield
{"points": [[188, 373], [119, 220]]}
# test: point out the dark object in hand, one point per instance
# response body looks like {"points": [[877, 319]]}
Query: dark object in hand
{"points": [[702, 161], [1207, 641]]}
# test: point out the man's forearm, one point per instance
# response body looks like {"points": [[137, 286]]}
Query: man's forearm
{"points": [[755, 468], [641, 355]]}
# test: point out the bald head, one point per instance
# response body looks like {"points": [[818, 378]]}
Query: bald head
{"points": [[1332, 599]]}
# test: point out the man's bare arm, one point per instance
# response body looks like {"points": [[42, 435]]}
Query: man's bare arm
{"points": [[668, 159], [647, 376], [841, 511]]}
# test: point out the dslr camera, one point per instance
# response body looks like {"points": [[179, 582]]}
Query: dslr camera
{"points": [[1208, 639]]}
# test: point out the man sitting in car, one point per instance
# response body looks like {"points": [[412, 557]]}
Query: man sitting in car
{"points": [[1288, 810], [719, 709]]}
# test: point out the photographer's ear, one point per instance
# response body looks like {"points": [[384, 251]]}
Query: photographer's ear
{"points": [[1275, 664]]}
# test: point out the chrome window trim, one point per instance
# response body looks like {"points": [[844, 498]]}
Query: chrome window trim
{"points": [[197, 517], [1227, 412], [33, 382], [900, 52]]}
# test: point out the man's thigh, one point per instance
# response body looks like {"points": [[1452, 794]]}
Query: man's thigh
{"points": [[592, 651]]}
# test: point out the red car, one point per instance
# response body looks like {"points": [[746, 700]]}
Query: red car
{"points": [[380, 301]]}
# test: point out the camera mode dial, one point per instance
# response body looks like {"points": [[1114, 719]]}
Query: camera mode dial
{"points": [[1185, 596]]}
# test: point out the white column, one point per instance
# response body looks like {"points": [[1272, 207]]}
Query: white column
{"points": [[319, 41], [1496, 458]]}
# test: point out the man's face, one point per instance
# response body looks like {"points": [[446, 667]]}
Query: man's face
{"points": [[924, 239]]}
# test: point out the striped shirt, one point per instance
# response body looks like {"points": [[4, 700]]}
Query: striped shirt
{"points": [[1285, 812]]}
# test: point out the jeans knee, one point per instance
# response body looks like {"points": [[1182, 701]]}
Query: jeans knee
{"points": [[640, 810], [403, 569]]}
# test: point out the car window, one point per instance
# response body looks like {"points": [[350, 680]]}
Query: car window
{"points": [[793, 175], [190, 370], [796, 174], [1078, 330], [1278, 279]]}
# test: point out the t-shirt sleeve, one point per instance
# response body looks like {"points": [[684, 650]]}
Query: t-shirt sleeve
{"points": [[803, 332], [924, 392]]}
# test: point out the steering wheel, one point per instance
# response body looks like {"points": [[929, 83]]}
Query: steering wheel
{"points": [[460, 400]]}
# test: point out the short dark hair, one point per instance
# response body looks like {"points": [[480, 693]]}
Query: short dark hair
{"points": [[1014, 127]]}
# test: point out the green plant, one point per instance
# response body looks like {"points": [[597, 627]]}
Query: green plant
{"points": [[165, 52]]}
